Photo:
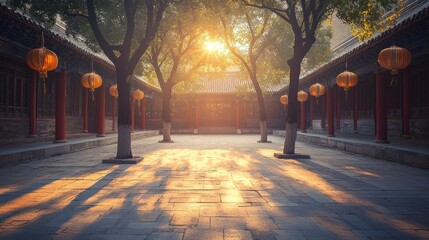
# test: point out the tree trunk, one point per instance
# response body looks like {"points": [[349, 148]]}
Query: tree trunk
{"points": [[291, 124], [166, 114], [262, 111], [166, 131], [124, 117], [264, 132]]}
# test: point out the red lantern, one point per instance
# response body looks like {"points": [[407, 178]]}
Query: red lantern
{"points": [[394, 58], [347, 80], [42, 60], [302, 96]]}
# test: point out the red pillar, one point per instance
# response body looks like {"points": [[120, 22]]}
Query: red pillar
{"points": [[114, 102], [143, 109], [85, 109], [60, 108], [132, 100], [324, 98], [32, 106], [244, 114], [330, 109], [101, 108], [311, 112], [188, 113], [338, 108], [237, 114], [303, 118], [197, 115], [406, 103], [355, 109], [380, 107]]}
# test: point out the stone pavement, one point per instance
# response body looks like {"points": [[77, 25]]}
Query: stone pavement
{"points": [[213, 187]]}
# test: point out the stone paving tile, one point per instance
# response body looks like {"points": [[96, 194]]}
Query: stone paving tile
{"points": [[213, 187], [165, 236], [198, 234], [234, 234]]}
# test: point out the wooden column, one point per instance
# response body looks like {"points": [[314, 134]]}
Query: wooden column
{"points": [[237, 114], [100, 110], [338, 104], [132, 102], [244, 114], [143, 109], [85, 109], [330, 109], [114, 102], [380, 107], [32, 105], [188, 113], [406, 103], [311, 111], [197, 115], [303, 118], [60, 108], [355, 109], [323, 112]]}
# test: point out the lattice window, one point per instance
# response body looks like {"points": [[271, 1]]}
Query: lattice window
{"points": [[366, 93], [346, 101], [419, 93], [394, 96], [14, 90]]}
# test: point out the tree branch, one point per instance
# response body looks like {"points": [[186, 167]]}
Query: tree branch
{"points": [[232, 50], [74, 14], [105, 46], [152, 26], [278, 11], [130, 15]]}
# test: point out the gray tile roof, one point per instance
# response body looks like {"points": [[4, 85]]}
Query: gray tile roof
{"points": [[229, 82]]}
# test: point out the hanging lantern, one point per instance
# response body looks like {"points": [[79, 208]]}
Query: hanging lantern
{"points": [[284, 99], [347, 80], [138, 95], [317, 90], [113, 90], [394, 58], [302, 96], [42, 60], [92, 81]]}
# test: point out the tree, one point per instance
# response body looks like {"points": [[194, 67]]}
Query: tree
{"points": [[247, 35], [304, 17], [110, 26], [177, 53]]}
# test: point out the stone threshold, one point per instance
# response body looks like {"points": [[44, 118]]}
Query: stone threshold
{"points": [[28, 152], [392, 153]]}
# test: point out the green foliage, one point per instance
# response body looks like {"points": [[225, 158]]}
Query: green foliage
{"points": [[178, 56], [366, 17]]}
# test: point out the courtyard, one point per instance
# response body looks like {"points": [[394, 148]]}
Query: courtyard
{"points": [[213, 187]]}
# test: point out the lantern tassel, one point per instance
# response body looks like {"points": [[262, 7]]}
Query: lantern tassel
{"points": [[393, 80], [92, 93]]}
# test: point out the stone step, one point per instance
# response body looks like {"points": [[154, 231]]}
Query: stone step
{"points": [[39, 150], [217, 130], [415, 157]]}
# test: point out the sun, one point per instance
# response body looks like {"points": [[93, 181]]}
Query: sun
{"points": [[214, 46]]}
